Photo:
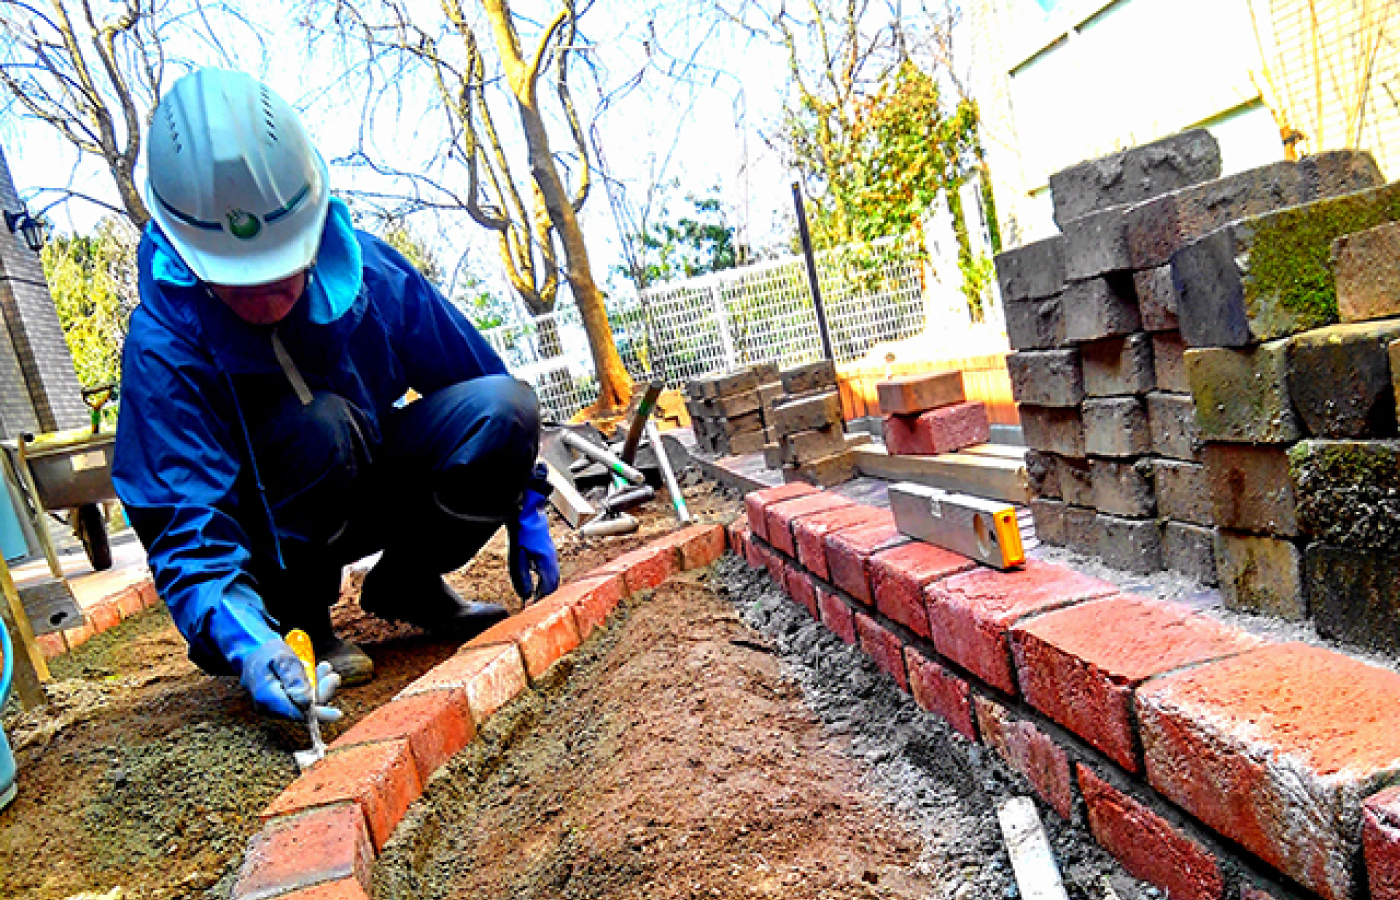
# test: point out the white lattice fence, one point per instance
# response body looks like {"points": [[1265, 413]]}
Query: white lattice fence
{"points": [[761, 313]]}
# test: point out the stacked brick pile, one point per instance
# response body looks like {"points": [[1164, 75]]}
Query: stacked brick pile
{"points": [[1298, 412], [1211, 762], [727, 411], [929, 414], [1119, 464], [809, 433]]}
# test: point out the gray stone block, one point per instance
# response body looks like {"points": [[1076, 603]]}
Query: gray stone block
{"points": [[1189, 550], [806, 413], [1366, 266], [1133, 545], [809, 446], [1171, 419], [1076, 481], [1340, 381], [1123, 487], [1046, 377], [1160, 227], [1261, 575], [1035, 324], [1354, 596], [1348, 492], [1169, 362], [1131, 176], [1096, 244], [1043, 473], [1242, 395], [813, 376], [1269, 276], [738, 381], [1116, 426], [1082, 530], [1156, 297], [1116, 367], [1032, 271], [1250, 488], [1055, 430], [1183, 493], [1101, 307], [1049, 518]]}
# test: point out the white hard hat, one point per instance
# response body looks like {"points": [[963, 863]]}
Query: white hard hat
{"points": [[233, 179]]}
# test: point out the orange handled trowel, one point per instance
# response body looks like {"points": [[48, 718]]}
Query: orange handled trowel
{"points": [[300, 642]]}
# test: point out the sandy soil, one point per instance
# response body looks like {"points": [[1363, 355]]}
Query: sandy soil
{"points": [[145, 775], [713, 741]]}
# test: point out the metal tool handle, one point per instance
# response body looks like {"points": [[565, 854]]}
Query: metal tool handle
{"points": [[674, 489], [599, 454]]}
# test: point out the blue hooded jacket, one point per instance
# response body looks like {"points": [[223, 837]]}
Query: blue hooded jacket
{"points": [[184, 462]]}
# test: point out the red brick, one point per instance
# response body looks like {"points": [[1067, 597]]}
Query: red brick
{"points": [[917, 393], [1273, 749], [798, 585], [344, 889], [1030, 751], [545, 632], [737, 530], [77, 636], [753, 553], [898, 577], [773, 561], [810, 533], [782, 515], [380, 778], [51, 645], [1380, 840], [883, 646], [970, 614], [149, 597], [942, 430], [1147, 845], [436, 725], [940, 692], [298, 851], [836, 615], [1080, 665], [756, 504], [489, 676], [696, 546], [644, 568], [593, 600], [848, 554], [103, 615], [129, 602]]}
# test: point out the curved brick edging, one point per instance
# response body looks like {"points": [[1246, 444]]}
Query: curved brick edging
{"points": [[321, 835], [100, 616], [1210, 762]]}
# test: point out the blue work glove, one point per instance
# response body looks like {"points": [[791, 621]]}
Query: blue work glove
{"points": [[275, 677], [534, 566]]}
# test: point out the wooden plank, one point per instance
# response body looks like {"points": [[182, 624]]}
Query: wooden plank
{"points": [[1032, 860], [980, 476], [1000, 451], [50, 605], [31, 669]]}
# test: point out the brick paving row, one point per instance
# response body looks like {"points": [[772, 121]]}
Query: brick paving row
{"points": [[1210, 762], [320, 836]]}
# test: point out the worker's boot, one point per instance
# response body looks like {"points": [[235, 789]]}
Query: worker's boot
{"points": [[305, 602], [410, 591]]}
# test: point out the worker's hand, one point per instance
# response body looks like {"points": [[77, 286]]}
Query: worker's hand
{"points": [[534, 566], [276, 679]]}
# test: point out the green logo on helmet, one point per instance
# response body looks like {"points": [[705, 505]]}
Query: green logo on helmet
{"points": [[243, 224]]}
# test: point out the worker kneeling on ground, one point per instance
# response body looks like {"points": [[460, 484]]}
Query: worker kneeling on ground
{"points": [[263, 444]]}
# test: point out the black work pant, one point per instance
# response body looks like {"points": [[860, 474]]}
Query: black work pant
{"points": [[448, 470]]}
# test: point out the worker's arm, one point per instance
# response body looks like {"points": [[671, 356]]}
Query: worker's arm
{"points": [[175, 471]]}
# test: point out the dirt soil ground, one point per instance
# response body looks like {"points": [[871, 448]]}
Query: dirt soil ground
{"points": [[145, 776], [714, 741], [711, 741]]}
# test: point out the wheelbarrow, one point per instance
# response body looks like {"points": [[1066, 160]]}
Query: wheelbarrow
{"points": [[69, 470]]}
